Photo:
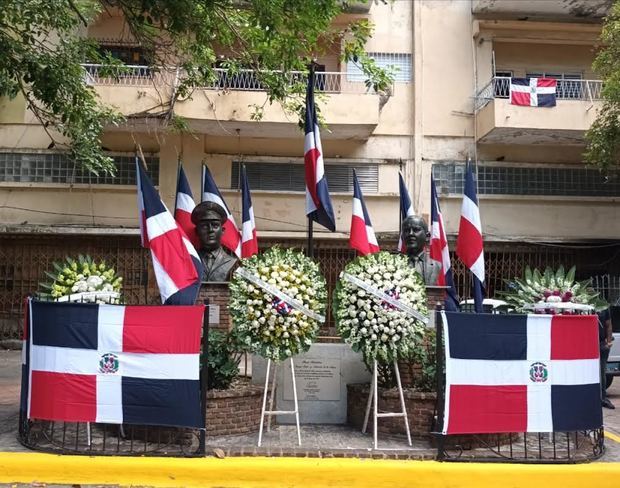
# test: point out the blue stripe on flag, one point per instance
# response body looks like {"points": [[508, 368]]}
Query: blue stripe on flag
{"points": [[174, 403], [486, 336], [576, 407], [546, 100], [71, 325]]}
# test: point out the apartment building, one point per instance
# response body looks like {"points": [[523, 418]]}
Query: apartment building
{"points": [[449, 103]]}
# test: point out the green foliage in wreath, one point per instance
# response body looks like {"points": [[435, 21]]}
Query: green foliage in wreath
{"points": [[268, 326], [81, 276], [375, 328]]}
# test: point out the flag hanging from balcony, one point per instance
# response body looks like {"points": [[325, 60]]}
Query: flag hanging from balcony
{"points": [[406, 210], [318, 202], [521, 373], [249, 241], [176, 263], [469, 247], [440, 253], [533, 92], [362, 237], [231, 238], [114, 364], [184, 205]]}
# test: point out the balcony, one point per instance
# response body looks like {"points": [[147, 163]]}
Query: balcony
{"points": [[499, 122], [227, 104], [552, 10]]}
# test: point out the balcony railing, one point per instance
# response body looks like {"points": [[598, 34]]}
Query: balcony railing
{"points": [[583, 90], [243, 80]]}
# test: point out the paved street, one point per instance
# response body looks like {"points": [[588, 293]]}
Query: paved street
{"points": [[282, 439]]}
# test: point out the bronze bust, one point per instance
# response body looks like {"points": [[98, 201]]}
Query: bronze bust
{"points": [[416, 236], [209, 218]]}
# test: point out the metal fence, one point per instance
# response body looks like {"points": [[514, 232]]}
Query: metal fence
{"points": [[499, 87]]}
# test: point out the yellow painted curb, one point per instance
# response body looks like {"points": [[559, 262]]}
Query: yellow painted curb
{"points": [[612, 436], [258, 472]]}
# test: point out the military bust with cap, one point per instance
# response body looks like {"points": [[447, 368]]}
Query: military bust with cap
{"points": [[209, 217], [416, 236]]}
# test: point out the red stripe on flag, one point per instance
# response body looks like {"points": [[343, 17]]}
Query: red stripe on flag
{"points": [[358, 239], [574, 337], [546, 82], [478, 409], [520, 98], [163, 330], [250, 247], [231, 237], [468, 243], [174, 258], [184, 220], [67, 397], [310, 159]]}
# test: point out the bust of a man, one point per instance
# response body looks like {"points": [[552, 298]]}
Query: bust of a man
{"points": [[416, 236], [209, 218]]}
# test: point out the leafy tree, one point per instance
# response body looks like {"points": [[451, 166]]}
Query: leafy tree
{"points": [[603, 137], [44, 42]]}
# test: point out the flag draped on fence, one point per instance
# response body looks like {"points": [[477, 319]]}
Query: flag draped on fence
{"points": [[439, 251], [176, 263], [469, 247], [114, 364], [521, 373], [231, 238], [318, 202], [184, 205], [249, 241], [533, 92], [406, 210], [362, 237]]}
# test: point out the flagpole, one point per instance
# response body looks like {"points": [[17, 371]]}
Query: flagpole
{"points": [[310, 251], [176, 191]]}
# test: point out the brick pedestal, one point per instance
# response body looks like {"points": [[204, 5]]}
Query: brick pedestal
{"points": [[219, 296]]}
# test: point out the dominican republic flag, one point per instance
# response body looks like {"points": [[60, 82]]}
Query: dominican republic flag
{"points": [[114, 364], [249, 241], [469, 241], [231, 238], [406, 210], [533, 92], [176, 263], [362, 237], [318, 202], [183, 207], [440, 253], [521, 373]]}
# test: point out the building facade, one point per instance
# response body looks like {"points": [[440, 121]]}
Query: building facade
{"points": [[449, 103]]}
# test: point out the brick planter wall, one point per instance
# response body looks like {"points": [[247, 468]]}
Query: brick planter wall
{"points": [[234, 411], [420, 407]]}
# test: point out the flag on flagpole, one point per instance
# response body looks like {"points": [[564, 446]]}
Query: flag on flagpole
{"points": [[440, 253], [406, 210], [362, 237], [184, 205], [144, 238], [176, 263], [318, 202], [521, 373], [469, 247], [533, 92], [114, 364], [231, 238], [249, 241]]}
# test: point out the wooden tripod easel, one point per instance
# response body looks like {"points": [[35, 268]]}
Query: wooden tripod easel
{"points": [[271, 412], [373, 400]]}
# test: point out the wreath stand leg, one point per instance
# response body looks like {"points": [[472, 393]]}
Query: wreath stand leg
{"points": [[373, 399], [271, 412]]}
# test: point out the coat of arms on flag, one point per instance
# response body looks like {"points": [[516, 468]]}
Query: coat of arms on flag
{"points": [[533, 92], [521, 373], [114, 364]]}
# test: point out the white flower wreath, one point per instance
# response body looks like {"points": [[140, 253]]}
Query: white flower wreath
{"points": [[371, 325], [267, 324]]}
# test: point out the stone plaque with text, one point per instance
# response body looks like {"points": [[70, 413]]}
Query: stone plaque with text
{"points": [[317, 379]]}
